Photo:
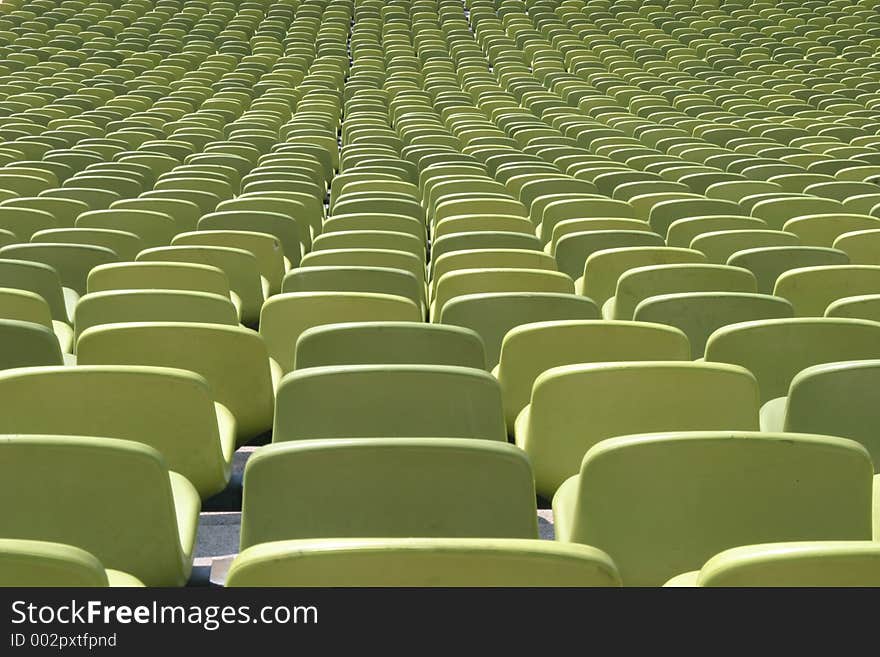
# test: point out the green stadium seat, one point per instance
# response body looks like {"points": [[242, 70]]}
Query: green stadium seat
{"points": [[389, 487], [737, 487], [565, 417], [446, 562]]}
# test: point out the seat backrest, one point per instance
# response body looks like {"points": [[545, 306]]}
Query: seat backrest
{"points": [[64, 210], [484, 239], [422, 562], [149, 305], [351, 401], [375, 221], [171, 410], [604, 268], [185, 213], [24, 306], [124, 244], [371, 239], [44, 563], [159, 276], [38, 278], [665, 213], [824, 229], [486, 280], [285, 316], [769, 262], [233, 359], [380, 280], [530, 349], [720, 245], [575, 208], [837, 399], [795, 564], [284, 228], [811, 289], [73, 262], [861, 246], [492, 315], [153, 228], [369, 343], [390, 487], [777, 211], [671, 501], [490, 258], [682, 231], [571, 251], [699, 314], [239, 265], [640, 283], [26, 344], [265, 248], [24, 222], [367, 258], [573, 407], [110, 497], [775, 350], [863, 306]]}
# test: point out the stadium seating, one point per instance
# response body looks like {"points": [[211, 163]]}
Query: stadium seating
{"points": [[355, 245]]}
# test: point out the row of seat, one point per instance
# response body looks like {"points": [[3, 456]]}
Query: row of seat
{"points": [[635, 498]]}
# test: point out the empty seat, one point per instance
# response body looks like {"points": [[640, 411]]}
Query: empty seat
{"points": [[699, 314], [388, 401], [775, 350], [573, 407], [25, 306], [492, 315], [265, 248], [285, 316], [113, 498], [377, 280], [530, 349], [719, 245], [572, 250], [662, 504], [641, 283], [863, 306], [40, 279], [463, 282], [604, 268], [483, 240], [812, 289], [171, 410], [410, 562], [838, 399], [768, 263], [239, 265], [26, 344], [150, 305], [233, 360], [375, 343], [25, 563], [389, 487], [73, 262], [682, 231], [824, 229], [862, 246], [793, 564]]}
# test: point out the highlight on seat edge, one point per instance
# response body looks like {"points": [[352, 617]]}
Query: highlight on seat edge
{"points": [[440, 293]]}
